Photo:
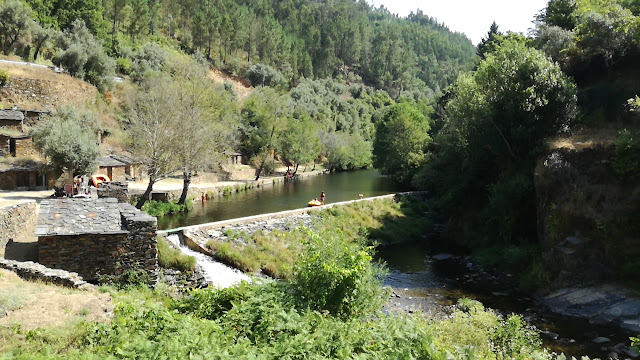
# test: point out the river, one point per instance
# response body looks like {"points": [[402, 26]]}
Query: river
{"points": [[291, 195], [418, 279]]}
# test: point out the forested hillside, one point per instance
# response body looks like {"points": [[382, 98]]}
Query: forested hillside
{"points": [[300, 39]]}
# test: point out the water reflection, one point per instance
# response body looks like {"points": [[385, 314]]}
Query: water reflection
{"points": [[291, 195]]}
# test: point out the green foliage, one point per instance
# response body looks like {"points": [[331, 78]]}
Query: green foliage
{"points": [[15, 26], [80, 53], [401, 139], [347, 151], [171, 258], [68, 138], [626, 161], [160, 208], [132, 277], [4, 77], [469, 305], [337, 276], [496, 120], [300, 143], [264, 75], [513, 339], [124, 66]]}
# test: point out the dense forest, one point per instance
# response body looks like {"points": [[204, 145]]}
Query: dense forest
{"points": [[301, 39]]}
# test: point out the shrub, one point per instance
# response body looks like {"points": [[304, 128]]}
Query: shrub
{"points": [[264, 75], [338, 276], [133, 277], [171, 258], [80, 53], [124, 66], [626, 162], [4, 77], [160, 208]]}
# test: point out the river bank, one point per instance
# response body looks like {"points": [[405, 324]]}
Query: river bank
{"points": [[439, 280]]}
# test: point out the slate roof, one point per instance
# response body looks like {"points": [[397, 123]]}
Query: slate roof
{"points": [[11, 115], [129, 160], [107, 161], [79, 216]]}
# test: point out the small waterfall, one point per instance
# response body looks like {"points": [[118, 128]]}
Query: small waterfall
{"points": [[215, 273]]}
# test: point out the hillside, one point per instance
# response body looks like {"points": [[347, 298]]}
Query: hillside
{"points": [[36, 88]]}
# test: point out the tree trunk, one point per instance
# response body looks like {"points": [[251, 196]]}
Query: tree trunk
{"points": [[147, 194], [296, 170], [186, 181]]}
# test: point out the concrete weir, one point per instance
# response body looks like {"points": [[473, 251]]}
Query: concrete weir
{"points": [[284, 220], [269, 216]]}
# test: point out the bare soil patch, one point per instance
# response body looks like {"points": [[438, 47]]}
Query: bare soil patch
{"points": [[242, 87]]}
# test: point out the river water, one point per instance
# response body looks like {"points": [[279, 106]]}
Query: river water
{"points": [[419, 280], [287, 196]]}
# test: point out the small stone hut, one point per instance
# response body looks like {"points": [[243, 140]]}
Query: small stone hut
{"points": [[94, 237], [111, 167]]}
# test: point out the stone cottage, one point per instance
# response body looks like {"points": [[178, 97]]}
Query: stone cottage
{"points": [[96, 237]]}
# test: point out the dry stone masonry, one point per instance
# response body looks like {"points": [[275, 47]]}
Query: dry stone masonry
{"points": [[96, 237], [17, 223], [33, 271]]}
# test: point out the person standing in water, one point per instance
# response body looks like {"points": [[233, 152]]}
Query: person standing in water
{"points": [[322, 197]]}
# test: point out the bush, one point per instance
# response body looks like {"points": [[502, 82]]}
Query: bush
{"points": [[4, 77], [124, 66], [134, 277], [171, 258], [160, 208], [626, 162], [80, 53], [338, 276], [264, 75]]}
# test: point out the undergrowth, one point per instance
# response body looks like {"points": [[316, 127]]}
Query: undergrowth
{"points": [[171, 258], [160, 208]]}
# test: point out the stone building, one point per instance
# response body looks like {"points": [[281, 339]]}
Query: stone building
{"points": [[94, 237], [120, 167], [111, 167], [27, 176]]}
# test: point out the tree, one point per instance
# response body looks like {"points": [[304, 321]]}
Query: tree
{"points": [[401, 140], [487, 44], [15, 24], [68, 139], [300, 143], [496, 122], [155, 129], [83, 56], [205, 132], [264, 116]]}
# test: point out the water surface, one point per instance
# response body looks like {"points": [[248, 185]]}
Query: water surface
{"points": [[287, 196]]}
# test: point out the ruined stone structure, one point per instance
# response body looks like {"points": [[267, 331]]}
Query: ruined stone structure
{"points": [[114, 189], [17, 223], [94, 237]]}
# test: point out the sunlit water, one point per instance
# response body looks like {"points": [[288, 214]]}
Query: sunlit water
{"points": [[215, 273], [279, 197]]}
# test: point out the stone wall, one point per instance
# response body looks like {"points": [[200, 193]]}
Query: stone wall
{"points": [[588, 218], [92, 255], [17, 223], [33, 271], [114, 189]]}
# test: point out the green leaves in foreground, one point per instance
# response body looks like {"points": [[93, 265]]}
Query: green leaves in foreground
{"points": [[338, 276]]}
